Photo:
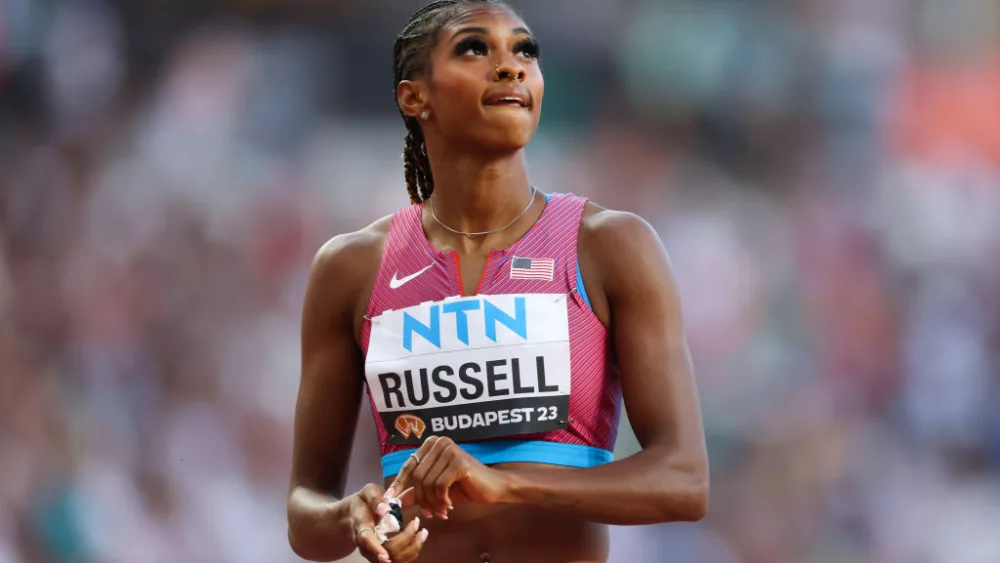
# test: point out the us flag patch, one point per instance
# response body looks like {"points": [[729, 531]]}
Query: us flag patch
{"points": [[532, 268]]}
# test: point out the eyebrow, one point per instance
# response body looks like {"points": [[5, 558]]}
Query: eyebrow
{"points": [[484, 31]]}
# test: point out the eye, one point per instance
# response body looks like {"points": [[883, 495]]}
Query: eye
{"points": [[528, 48], [472, 46]]}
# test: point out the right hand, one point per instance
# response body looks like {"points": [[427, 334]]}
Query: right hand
{"points": [[403, 547]]}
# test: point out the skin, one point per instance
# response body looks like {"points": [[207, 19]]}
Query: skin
{"points": [[455, 507]]}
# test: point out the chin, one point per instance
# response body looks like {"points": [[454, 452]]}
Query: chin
{"points": [[505, 143], [506, 139]]}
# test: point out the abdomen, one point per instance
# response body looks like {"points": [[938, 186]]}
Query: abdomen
{"points": [[511, 533]]}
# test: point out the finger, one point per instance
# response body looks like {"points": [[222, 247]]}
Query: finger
{"points": [[368, 542], [439, 478], [373, 557], [418, 473], [405, 476], [436, 496], [403, 539], [402, 479], [412, 551], [451, 473], [407, 498], [375, 499], [402, 496]]}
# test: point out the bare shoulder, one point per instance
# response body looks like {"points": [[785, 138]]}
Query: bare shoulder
{"points": [[610, 235], [347, 254], [344, 269], [617, 252]]}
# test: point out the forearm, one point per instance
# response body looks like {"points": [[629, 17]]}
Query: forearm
{"points": [[320, 527], [646, 488]]}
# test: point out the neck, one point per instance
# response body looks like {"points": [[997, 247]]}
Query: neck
{"points": [[474, 193]]}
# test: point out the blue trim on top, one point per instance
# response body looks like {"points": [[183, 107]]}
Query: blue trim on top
{"points": [[579, 286], [509, 451], [579, 278]]}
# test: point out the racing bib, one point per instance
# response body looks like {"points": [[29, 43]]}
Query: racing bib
{"points": [[470, 368]]}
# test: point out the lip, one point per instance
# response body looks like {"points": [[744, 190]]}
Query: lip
{"points": [[507, 96]]}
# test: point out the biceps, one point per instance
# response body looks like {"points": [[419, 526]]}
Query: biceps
{"points": [[326, 415]]}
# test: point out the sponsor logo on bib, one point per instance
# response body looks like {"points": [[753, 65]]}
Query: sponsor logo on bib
{"points": [[471, 367], [410, 425]]}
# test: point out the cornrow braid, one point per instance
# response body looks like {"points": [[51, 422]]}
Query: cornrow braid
{"points": [[411, 56], [410, 168]]}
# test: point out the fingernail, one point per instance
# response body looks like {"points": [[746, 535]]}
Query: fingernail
{"points": [[450, 507], [384, 558], [443, 516], [423, 534], [416, 522], [427, 513], [382, 509]]}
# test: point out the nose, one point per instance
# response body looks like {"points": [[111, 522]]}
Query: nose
{"points": [[509, 70]]}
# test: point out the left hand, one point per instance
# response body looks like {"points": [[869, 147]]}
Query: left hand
{"points": [[442, 473]]}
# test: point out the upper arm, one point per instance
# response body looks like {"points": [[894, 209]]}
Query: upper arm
{"points": [[635, 284], [331, 384]]}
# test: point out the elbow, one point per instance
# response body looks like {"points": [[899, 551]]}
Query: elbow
{"points": [[299, 547], [296, 545], [697, 503], [685, 499], [302, 539], [318, 526], [305, 549]]}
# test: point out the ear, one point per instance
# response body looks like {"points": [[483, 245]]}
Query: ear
{"points": [[411, 97]]}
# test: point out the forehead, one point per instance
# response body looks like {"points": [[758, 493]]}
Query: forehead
{"points": [[494, 18]]}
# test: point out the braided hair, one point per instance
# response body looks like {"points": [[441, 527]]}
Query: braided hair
{"points": [[411, 55]]}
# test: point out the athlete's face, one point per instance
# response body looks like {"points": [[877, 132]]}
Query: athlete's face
{"points": [[484, 86]]}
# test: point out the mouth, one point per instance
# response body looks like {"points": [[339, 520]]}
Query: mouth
{"points": [[508, 98]]}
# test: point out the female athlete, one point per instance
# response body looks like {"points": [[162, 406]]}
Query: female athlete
{"points": [[497, 330]]}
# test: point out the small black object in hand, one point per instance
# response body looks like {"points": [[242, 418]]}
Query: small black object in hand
{"points": [[396, 509]]}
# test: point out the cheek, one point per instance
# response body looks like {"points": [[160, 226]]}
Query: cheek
{"points": [[458, 93], [536, 84]]}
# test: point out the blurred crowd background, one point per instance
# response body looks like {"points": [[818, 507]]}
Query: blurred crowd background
{"points": [[824, 173]]}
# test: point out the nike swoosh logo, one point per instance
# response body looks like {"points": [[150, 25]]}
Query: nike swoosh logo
{"points": [[396, 283]]}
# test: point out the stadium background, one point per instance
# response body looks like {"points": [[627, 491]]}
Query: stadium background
{"points": [[824, 173]]}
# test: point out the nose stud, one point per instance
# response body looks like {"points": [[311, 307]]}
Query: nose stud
{"points": [[501, 74]]}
